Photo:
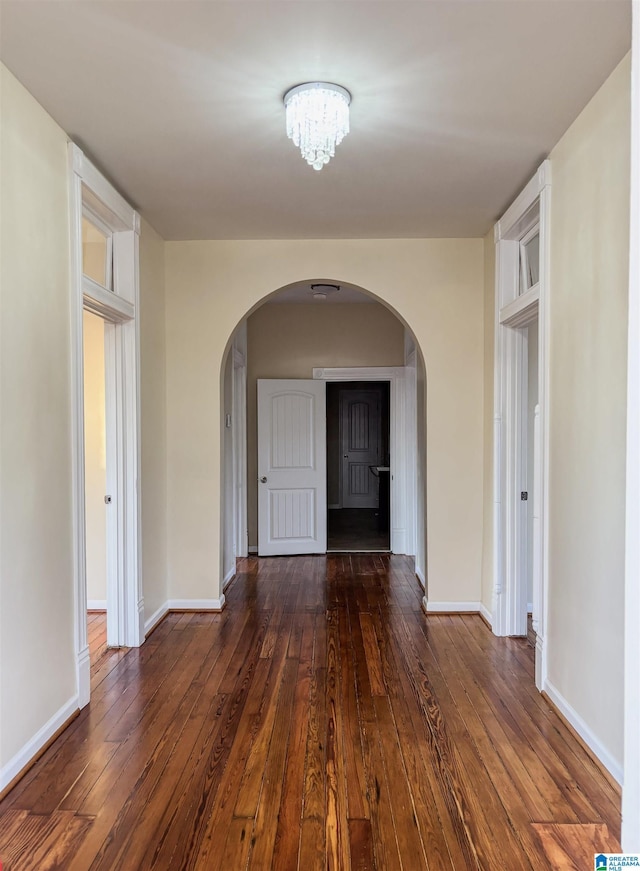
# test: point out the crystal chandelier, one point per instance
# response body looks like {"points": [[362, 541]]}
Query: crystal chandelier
{"points": [[317, 119]]}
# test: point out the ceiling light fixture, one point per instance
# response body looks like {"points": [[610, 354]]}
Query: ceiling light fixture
{"points": [[322, 291], [317, 119]]}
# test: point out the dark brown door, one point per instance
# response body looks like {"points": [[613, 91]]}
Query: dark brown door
{"points": [[361, 443]]}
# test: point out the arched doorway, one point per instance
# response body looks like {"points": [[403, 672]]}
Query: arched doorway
{"points": [[350, 339]]}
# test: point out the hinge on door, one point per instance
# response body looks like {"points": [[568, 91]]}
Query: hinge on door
{"points": [[524, 496]]}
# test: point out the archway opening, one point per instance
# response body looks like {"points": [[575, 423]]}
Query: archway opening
{"points": [[348, 338]]}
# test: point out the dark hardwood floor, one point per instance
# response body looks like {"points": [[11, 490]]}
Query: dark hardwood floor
{"points": [[321, 721], [356, 529]]}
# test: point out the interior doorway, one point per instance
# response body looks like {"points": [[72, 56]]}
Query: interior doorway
{"points": [[358, 466], [531, 411], [95, 480]]}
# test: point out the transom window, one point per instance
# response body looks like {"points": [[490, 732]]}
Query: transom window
{"points": [[97, 252], [529, 260]]}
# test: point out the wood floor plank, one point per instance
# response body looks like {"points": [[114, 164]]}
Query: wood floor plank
{"points": [[572, 847], [321, 721], [287, 839]]}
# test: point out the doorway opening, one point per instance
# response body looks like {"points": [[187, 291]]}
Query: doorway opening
{"points": [[95, 482], [105, 277], [531, 486], [358, 466]]}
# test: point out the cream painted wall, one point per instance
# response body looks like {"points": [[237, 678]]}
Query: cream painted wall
{"points": [[288, 340], [153, 415], [95, 459], [488, 376], [436, 286], [38, 677], [588, 341]]}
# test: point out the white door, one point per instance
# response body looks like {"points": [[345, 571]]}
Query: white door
{"points": [[292, 476]]}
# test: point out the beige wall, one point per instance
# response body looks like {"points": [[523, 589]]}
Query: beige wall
{"points": [[488, 375], [95, 459], [153, 414], [436, 286], [588, 341], [38, 676], [288, 340]]}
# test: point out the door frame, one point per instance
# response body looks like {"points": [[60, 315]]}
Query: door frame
{"points": [[342, 435], [631, 789], [513, 311], [401, 538], [92, 194]]}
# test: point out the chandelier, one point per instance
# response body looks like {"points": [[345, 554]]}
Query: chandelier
{"points": [[317, 119]]}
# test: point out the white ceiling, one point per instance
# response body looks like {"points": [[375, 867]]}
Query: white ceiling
{"points": [[455, 103]]}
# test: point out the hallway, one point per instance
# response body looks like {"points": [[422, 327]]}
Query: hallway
{"points": [[320, 721]]}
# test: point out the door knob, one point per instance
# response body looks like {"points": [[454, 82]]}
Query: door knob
{"points": [[263, 479]]}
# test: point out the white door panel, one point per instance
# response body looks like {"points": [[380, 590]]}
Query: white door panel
{"points": [[292, 478]]}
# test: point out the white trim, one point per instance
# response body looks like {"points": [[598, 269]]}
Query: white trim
{"points": [[26, 753], [228, 578], [400, 444], [512, 314], [421, 578], [253, 550], [574, 719], [105, 303], [88, 188], [452, 607], [155, 618], [100, 195], [196, 604], [239, 441], [96, 604], [77, 438], [522, 310], [631, 793], [517, 220], [486, 613]]}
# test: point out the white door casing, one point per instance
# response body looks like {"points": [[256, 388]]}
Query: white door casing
{"points": [[402, 444], [514, 310], [91, 193], [292, 476]]}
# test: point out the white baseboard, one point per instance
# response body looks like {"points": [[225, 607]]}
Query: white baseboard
{"points": [[451, 607], [398, 540], [612, 765], [486, 613], [529, 608], [420, 576], [155, 618], [96, 604], [229, 577], [24, 756], [196, 604], [253, 550]]}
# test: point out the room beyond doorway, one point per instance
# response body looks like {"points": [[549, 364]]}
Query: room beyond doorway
{"points": [[358, 466]]}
